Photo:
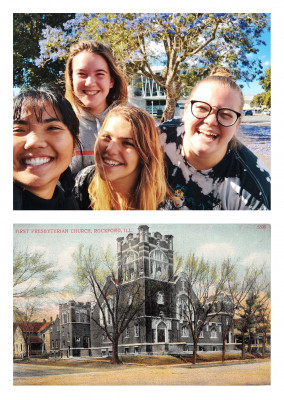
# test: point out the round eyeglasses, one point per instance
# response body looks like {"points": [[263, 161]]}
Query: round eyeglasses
{"points": [[225, 116]]}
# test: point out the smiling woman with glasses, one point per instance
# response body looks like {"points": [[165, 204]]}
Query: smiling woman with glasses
{"points": [[206, 165]]}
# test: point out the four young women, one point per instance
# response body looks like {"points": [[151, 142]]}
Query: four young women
{"points": [[207, 168]]}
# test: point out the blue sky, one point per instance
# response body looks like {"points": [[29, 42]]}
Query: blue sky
{"points": [[265, 55]]}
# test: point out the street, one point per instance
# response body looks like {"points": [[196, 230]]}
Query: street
{"points": [[249, 373]]}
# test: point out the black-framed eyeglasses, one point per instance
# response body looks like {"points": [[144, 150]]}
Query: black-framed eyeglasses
{"points": [[225, 116]]}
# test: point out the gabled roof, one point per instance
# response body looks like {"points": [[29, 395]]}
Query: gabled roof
{"points": [[30, 326], [45, 326]]}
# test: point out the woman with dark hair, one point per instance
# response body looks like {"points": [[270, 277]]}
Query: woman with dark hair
{"points": [[45, 136], [94, 85], [206, 165]]}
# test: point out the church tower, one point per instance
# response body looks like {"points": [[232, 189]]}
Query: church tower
{"points": [[146, 258]]}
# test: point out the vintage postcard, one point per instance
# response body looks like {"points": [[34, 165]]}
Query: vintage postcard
{"points": [[148, 304]]}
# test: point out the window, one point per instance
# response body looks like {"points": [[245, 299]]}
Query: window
{"points": [[127, 332], [52, 344], [184, 331], [130, 266], [213, 333], [65, 318], [136, 330], [77, 316], [201, 335], [126, 350], [158, 264], [130, 299], [160, 298], [21, 346]]}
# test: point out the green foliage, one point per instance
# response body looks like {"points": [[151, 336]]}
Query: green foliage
{"points": [[27, 33], [258, 100], [266, 82], [32, 275], [184, 43], [263, 99]]}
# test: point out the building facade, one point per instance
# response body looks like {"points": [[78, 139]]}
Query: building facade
{"points": [[145, 261], [158, 326], [74, 329]]}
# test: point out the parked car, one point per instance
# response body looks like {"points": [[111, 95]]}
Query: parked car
{"points": [[248, 112], [266, 112]]}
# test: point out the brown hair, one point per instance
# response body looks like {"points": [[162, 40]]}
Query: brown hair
{"points": [[151, 188], [223, 76], [117, 94]]}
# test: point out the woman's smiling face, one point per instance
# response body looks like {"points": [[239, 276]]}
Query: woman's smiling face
{"points": [[42, 150], [91, 80], [119, 157], [205, 140]]}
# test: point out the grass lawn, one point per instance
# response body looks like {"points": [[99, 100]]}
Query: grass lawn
{"points": [[138, 359]]}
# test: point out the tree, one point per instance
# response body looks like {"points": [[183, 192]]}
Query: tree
{"points": [[116, 305], [185, 44], [32, 275], [32, 279], [204, 288], [263, 320], [264, 99], [258, 100], [27, 33], [237, 287]]}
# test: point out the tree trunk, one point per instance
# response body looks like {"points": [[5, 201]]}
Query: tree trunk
{"points": [[243, 347], [194, 355], [263, 345], [223, 349], [115, 359], [249, 343], [171, 102]]}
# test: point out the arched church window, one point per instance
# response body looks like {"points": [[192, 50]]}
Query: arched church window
{"points": [[160, 298], [130, 266], [158, 264]]}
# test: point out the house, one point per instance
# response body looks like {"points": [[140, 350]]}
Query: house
{"points": [[35, 336], [19, 342]]}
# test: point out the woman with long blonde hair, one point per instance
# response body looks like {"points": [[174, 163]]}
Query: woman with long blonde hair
{"points": [[129, 168]]}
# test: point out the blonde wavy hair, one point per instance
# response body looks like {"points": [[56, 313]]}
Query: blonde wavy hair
{"points": [[151, 188], [117, 94]]}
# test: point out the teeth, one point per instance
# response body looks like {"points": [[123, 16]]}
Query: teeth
{"points": [[91, 92], [208, 133], [110, 162], [37, 161]]}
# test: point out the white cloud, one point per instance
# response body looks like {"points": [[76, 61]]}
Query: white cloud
{"points": [[64, 259], [257, 259], [216, 251]]}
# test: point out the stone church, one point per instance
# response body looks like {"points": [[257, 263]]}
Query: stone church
{"points": [[145, 261]]}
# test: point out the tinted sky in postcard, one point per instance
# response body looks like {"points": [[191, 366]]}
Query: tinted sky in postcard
{"points": [[248, 244]]}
